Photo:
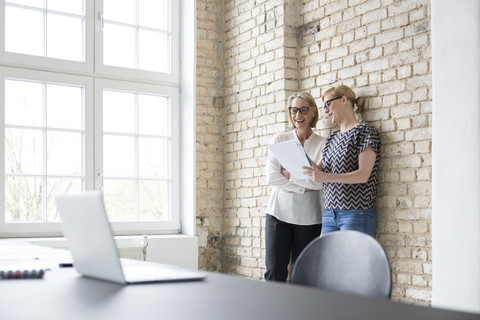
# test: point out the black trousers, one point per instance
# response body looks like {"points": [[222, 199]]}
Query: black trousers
{"points": [[284, 242]]}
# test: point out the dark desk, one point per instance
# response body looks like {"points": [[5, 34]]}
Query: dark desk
{"points": [[64, 295]]}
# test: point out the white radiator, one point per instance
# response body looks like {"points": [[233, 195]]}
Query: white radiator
{"points": [[133, 248]]}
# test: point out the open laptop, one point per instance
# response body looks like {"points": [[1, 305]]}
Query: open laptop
{"points": [[93, 248]]}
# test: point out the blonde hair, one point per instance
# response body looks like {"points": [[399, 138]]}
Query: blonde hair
{"points": [[307, 97], [343, 90]]}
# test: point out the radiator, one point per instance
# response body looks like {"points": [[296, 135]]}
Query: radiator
{"points": [[133, 248]]}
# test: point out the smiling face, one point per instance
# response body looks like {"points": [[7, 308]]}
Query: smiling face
{"points": [[301, 121], [334, 106]]}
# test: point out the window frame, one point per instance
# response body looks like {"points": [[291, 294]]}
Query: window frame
{"points": [[22, 228], [52, 64], [119, 72], [172, 92], [95, 74]]}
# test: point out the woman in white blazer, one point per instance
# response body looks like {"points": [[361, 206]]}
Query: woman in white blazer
{"points": [[294, 212]]}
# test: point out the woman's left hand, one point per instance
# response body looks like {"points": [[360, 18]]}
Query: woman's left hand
{"points": [[285, 173], [315, 174]]}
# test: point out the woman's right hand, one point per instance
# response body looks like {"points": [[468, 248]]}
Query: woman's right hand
{"points": [[315, 174]]}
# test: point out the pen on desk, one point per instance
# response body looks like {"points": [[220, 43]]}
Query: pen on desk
{"points": [[65, 265]]}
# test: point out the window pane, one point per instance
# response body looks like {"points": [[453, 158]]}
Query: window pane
{"points": [[30, 3], [153, 115], [64, 106], [141, 42], [65, 37], [153, 14], [130, 158], [21, 37], [119, 197], [23, 103], [153, 51], [118, 46], [33, 155], [64, 153], [23, 151], [119, 11], [118, 112], [70, 6], [23, 199], [153, 203], [119, 156], [153, 158], [45, 138], [56, 187]]}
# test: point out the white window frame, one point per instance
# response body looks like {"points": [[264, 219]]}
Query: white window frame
{"points": [[22, 228], [119, 73], [142, 88], [51, 64], [92, 74]]}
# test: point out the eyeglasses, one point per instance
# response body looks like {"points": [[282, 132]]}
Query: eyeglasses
{"points": [[303, 110], [327, 103]]}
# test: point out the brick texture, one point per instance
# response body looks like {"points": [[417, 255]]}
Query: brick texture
{"points": [[251, 54], [210, 135]]}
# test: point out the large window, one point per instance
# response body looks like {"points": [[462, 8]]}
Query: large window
{"points": [[89, 100]]}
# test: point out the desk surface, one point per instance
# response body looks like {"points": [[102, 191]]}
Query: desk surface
{"points": [[63, 294]]}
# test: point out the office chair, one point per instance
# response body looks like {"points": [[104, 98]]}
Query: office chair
{"points": [[345, 261]]}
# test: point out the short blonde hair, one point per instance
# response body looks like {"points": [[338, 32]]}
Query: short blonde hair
{"points": [[307, 97], [343, 90]]}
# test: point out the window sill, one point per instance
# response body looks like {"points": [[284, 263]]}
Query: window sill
{"points": [[180, 250]]}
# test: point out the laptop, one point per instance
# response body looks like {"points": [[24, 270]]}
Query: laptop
{"points": [[93, 248]]}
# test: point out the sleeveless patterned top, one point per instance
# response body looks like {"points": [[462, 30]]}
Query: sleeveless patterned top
{"points": [[340, 155]]}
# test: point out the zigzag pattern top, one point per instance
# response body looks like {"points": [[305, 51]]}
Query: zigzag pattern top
{"points": [[340, 155]]}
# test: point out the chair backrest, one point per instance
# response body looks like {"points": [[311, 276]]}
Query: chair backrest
{"points": [[346, 261]]}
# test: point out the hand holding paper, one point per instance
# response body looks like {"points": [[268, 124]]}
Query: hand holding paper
{"points": [[292, 157]]}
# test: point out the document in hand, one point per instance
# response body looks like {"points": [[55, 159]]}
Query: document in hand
{"points": [[292, 157]]}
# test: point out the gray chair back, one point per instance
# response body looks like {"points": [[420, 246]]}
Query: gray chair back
{"points": [[345, 261]]}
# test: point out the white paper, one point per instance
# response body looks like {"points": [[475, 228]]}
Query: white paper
{"points": [[292, 157]]}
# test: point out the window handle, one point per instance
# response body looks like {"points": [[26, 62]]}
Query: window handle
{"points": [[100, 180], [100, 18]]}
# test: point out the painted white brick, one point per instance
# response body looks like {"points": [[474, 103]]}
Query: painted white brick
{"points": [[406, 110], [418, 134], [419, 294], [404, 124], [420, 68], [337, 53], [373, 28], [376, 115], [362, 45], [346, 73], [387, 37], [365, 7], [325, 79], [405, 44], [374, 16]]}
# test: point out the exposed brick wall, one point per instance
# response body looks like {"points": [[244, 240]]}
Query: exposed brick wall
{"points": [[210, 134], [251, 56], [382, 49], [261, 71]]}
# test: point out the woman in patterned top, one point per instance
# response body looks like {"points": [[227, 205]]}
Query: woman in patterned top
{"points": [[294, 211], [349, 166]]}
